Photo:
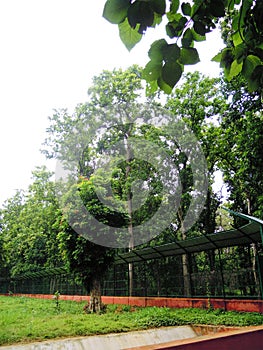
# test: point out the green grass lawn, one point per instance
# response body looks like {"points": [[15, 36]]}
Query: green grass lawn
{"points": [[26, 319]]}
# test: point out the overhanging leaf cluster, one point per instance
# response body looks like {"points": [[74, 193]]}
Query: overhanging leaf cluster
{"points": [[167, 63], [189, 22]]}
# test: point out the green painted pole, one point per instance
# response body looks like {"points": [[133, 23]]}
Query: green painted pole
{"points": [[260, 274], [260, 267], [261, 233]]}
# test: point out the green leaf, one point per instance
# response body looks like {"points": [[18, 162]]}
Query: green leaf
{"points": [[249, 34], [189, 56], [115, 11], [237, 38], [171, 73], [156, 50], [231, 5], [256, 79], [174, 6], [217, 58], [197, 37], [157, 20], [227, 59], [170, 30], [171, 52], [199, 28], [235, 23], [176, 26], [165, 87], [186, 8], [151, 87], [240, 52], [129, 36], [152, 71], [187, 39], [253, 84], [140, 12], [158, 6], [250, 63], [246, 5], [235, 69], [260, 46], [217, 8]]}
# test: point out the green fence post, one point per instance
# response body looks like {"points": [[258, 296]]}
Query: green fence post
{"points": [[261, 233], [260, 264], [260, 273]]}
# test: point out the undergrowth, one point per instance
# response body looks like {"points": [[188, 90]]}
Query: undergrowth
{"points": [[27, 319]]}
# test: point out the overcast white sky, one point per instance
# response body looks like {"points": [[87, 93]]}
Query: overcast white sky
{"points": [[50, 49]]}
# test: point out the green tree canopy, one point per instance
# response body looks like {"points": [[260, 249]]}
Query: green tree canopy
{"points": [[240, 143], [30, 240]]}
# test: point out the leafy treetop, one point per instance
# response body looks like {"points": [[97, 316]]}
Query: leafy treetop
{"points": [[187, 23]]}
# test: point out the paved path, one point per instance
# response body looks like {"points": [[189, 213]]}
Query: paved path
{"points": [[111, 341]]}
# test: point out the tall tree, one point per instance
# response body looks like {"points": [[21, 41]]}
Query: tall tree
{"points": [[106, 127], [3, 268], [240, 155], [87, 260], [29, 238], [199, 103], [241, 146], [188, 22]]}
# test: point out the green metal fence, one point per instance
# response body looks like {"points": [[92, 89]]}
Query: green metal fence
{"points": [[165, 278], [224, 264], [232, 277]]}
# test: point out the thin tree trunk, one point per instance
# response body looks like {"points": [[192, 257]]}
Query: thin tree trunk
{"points": [[186, 276], [211, 259], [130, 279], [185, 260], [131, 243], [255, 252], [129, 205]]}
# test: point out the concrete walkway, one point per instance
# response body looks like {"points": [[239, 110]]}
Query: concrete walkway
{"points": [[111, 341]]}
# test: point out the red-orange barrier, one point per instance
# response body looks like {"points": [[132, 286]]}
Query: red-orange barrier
{"points": [[225, 304], [229, 305]]}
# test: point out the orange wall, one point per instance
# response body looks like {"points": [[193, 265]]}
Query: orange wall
{"points": [[228, 304]]}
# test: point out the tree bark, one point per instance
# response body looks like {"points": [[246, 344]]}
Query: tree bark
{"points": [[131, 243], [255, 252], [186, 276], [129, 205], [185, 260], [95, 304]]}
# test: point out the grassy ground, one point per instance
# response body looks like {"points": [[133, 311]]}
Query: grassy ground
{"points": [[26, 319]]}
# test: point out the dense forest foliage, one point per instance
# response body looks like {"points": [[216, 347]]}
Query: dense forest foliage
{"points": [[37, 229]]}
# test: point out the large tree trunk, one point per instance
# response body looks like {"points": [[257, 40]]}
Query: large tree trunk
{"points": [[95, 304]]}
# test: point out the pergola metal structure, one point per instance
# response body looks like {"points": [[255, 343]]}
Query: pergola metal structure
{"points": [[55, 271], [250, 233]]}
